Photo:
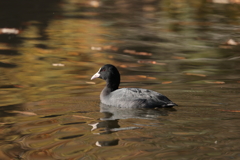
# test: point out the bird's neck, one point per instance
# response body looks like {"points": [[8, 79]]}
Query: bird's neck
{"points": [[106, 92], [112, 85]]}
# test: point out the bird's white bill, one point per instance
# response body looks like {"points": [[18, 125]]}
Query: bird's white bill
{"points": [[96, 75]]}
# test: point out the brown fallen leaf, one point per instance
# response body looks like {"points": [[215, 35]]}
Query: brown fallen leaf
{"points": [[9, 31], [73, 53], [110, 48], [137, 53], [228, 110], [58, 64], [151, 78], [107, 47], [94, 4], [143, 53], [195, 74], [129, 51], [18, 86], [82, 117], [90, 82], [151, 62], [232, 42], [142, 61], [225, 47], [123, 66], [25, 113], [185, 133], [166, 82], [44, 51], [216, 82], [114, 48], [95, 48], [142, 76]]}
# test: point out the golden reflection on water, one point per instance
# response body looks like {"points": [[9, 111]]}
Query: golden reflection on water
{"points": [[50, 108]]}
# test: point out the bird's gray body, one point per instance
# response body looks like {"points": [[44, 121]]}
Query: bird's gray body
{"points": [[135, 98]]}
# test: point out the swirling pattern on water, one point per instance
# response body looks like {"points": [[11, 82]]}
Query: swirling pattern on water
{"points": [[49, 108]]}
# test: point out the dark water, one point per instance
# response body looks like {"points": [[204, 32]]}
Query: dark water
{"points": [[188, 51]]}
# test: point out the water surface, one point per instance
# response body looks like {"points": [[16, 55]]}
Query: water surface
{"points": [[188, 51]]}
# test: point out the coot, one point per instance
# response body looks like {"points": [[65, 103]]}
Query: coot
{"points": [[127, 97]]}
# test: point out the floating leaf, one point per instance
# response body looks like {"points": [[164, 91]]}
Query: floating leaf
{"points": [[96, 48], [58, 64], [185, 133], [142, 76], [144, 53], [166, 82], [151, 78], [110, 48], [216, 82], [226, 1], [90, 82], [225, 47], [9, 31], [18, 86], [229, 110], [25, 113], [129, 51], [137, 53], [73, 53], [82, 117], [151, 62], [195, 74], [94, 4], [221, 1], [232, 42], [123, 66]]}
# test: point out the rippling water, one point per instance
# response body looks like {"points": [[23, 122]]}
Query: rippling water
{"points": [[188, 51]]}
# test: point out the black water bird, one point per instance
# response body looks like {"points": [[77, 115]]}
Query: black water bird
{"points": [[127, 97]]}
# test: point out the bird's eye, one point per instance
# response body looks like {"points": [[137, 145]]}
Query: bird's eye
{"points": [[102, 70]]}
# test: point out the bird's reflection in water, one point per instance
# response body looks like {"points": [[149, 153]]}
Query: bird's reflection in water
{"points": [[112, 115], [105, 127], [107, 143]]}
